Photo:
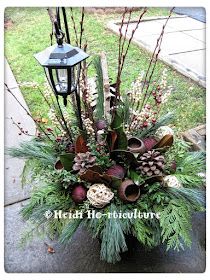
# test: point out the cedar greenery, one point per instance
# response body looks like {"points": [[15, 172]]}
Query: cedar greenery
{"points": [[35, 149]]}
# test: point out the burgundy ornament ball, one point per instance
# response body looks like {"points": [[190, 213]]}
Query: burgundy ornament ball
{"points": [[79, 194], [117, 171], [149, 143]]}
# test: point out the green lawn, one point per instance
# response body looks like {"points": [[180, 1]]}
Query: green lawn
{"points": [[30, 32]]}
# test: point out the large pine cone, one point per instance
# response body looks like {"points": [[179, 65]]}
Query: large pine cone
{"points": [[151, 163], [83, 161]]}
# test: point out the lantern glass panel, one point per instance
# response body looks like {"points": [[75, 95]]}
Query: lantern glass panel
{"points": [[61, 80]]}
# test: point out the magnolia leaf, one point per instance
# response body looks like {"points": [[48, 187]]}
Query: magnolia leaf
{"points": [[81, 145], [166, 141], [124, 156], [94, 177], [121, 142], [111, 139], [116, 182], [136, 178], [67, 160], [96, 168], [153, 179], [117, 120]]}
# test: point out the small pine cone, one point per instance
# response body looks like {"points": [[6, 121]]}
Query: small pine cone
{"points": [[151, 163], [83, 161]]}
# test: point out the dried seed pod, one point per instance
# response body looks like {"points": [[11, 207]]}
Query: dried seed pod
{"points": [[128, 191], [136, 145]]}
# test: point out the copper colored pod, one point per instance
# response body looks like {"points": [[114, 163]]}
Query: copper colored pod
{"points": [[128, 191], [136, 145], [58, 165]]}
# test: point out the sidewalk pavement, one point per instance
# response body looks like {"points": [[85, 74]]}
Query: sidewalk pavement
{"points": [[183, 46], [83, 254]]}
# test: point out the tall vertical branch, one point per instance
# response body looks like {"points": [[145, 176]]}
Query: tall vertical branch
{"points": [[74, 27], [126, 30], [120, 52], [151, 69], [131, 38], [123, 53], [153, 60], [81, 27]]}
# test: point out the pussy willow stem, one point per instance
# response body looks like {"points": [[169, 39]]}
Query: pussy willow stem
{"points": [[119, 53], [81, 27], [74, 27], [154, 57]]}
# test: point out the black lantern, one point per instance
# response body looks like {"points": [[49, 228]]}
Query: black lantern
{"points": [[61, 63]]}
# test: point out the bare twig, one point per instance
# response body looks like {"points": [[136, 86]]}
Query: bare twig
{"points": [[51, 15], [126, 31], [22, 131], [119, 52], [121, 60], [74, 27], [131, 38], [151, 69], [155, 58], [27, 112], [81, 27]]}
